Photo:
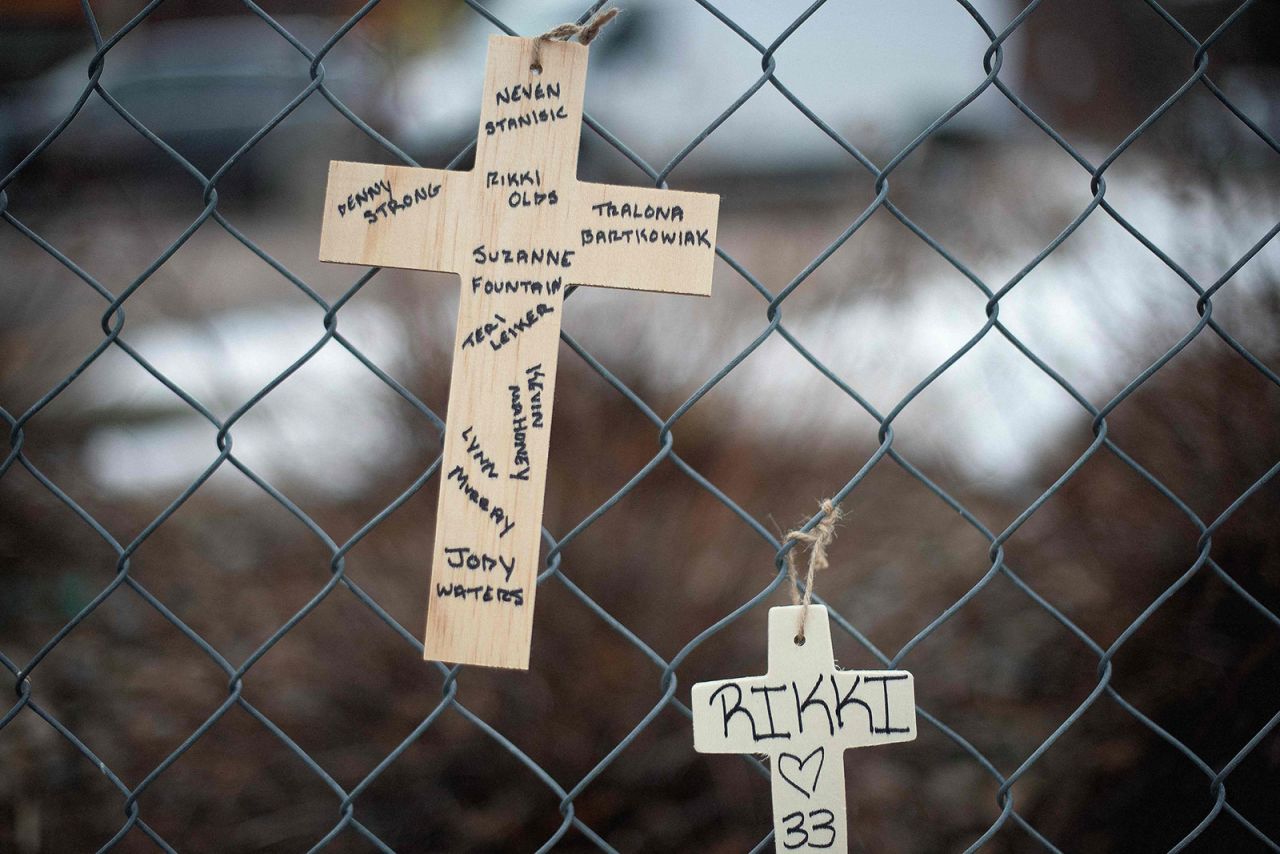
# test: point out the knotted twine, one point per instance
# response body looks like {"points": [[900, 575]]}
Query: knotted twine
{"points": [[817, 540], [585, 33]]}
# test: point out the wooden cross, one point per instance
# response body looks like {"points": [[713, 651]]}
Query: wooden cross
{"points": [[519, 229], [804, 713]]}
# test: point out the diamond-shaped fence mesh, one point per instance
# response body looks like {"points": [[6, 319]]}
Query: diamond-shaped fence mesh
{"points": [[226, 657]]}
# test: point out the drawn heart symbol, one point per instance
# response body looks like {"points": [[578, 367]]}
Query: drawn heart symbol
{"points": [[796, 777]]}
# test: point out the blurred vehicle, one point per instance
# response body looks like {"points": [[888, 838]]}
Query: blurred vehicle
{"points": [[657, 87], [202, 85]]}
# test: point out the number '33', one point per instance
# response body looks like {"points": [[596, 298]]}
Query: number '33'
{"points": [[821, 833]]}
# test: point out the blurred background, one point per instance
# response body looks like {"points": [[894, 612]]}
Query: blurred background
{"points": [[109, 452]]}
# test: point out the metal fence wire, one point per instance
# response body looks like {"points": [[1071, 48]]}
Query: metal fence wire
{"points": [[573, 829]]}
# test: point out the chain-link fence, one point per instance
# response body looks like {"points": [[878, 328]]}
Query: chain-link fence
{"points": [[563, 757]]}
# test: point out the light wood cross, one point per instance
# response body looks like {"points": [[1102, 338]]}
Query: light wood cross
{"points": [[803, 713], [519, 228]]}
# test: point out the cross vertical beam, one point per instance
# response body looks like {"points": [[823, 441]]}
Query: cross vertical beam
{"points": [[803, 713], [518, 229]]}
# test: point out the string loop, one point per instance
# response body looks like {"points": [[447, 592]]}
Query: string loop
{"points": [[585, 33], [817, 540]]}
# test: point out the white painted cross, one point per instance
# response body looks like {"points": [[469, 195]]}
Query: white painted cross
{"points": [[803, 714], [519, 228]]}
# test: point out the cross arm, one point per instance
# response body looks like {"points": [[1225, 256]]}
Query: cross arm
{"points": [[394, 216], [736, 716], [643, 239], [872, 707]]}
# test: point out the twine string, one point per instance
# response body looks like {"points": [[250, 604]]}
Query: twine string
{"points": [[585, 33], [817, 541]]}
